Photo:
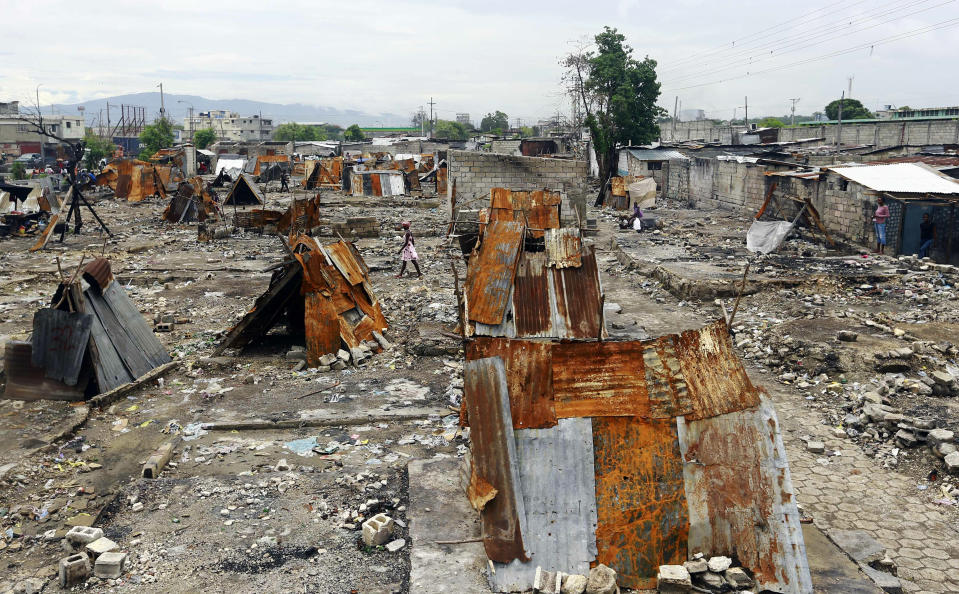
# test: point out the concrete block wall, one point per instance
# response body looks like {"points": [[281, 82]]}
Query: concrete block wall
{"points": [[885, 133], [357, 227], [476, 173], [506, 147]]}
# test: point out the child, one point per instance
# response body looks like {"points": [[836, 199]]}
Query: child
{"points": [[408, 251]]}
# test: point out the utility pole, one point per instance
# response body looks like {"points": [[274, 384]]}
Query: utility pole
{"points": [[162, 108], [43, 138], [850, 79], [792, 118], [422, 121], [675, 109], [432, 103], [747, 114], [839, 130]]}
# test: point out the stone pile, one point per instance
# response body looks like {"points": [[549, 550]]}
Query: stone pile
{"points": [[715, 574]]}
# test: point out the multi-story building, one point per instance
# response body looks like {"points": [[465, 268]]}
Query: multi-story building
{"points": [[18, 137], [229, 125], [891, 113], [464, 118]]}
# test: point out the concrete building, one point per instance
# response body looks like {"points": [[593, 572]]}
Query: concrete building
{"points": [[464, 118], [890, 113], [18, 137], [690, 115], [229, 125]]}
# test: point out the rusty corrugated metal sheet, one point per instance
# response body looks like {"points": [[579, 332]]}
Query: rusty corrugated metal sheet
{"points": [[97, 273], [322, 328], [596, 379], [618, 186], [643, 521], [577, 292], [343, 259], [538, 209], [494, 458], [558, 489], [529, 378], [564, 248], [245, 190], [441, 180], [532, 298], [740, 496], [489, 278]]}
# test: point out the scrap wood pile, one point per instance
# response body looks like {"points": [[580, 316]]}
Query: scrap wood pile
{"points": [[191, 202], [324, 295], [135, 180], [90, 340]]}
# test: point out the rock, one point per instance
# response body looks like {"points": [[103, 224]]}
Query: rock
{"points": [[377, 530], [738, 578], [327, 360], [885, 581], [861, 547], [872, 397], [544, 582], [282, 465], [297, 353], [944, 449], [384, 344], [396, 545], [696, 566], [602, 580], [816, 447], [338, 365], [952, 462], [719, 564], [574, 584], [110, 565], [942, 378], [711, 580], [847, 336], [907, 439], [673, 578], [940, 436], [100, 546], [343, 355]]}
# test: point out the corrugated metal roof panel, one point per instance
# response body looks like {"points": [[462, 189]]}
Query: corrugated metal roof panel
{"points": [[564, 247], [529, 377], [900, 177], [489, 277], [494, 458], [640, 498], [577, 305], [559, 496], [596, 379], [740, 496], [656, 154], [532, 299], [345, 261]]}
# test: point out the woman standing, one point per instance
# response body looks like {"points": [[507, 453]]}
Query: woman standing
{"points": [[879, 219], [408, 251]]}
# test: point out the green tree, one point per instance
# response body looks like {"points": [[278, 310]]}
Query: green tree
{"points": [[294, 131], [619, 94], [18, 171], [496, 123], [450, 130], [852, 109], [354, 133], [97, 148], [329, 132], [156, 136], [771, 123], [204, 138]]}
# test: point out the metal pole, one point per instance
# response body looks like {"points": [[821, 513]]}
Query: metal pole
{"points": [[43, 138], [162, 107], [839, 130]]}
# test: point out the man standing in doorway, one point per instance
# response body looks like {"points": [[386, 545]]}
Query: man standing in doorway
{"points": [[879, 219], [927, 235]]}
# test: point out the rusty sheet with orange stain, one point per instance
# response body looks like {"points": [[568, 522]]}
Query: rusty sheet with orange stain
{"points": [[489, 277], [618, 186], [486, 396], [529, 377], [322, 327], [442, 176], [564, 248], [578, 298], [740, 496], [596, 379], [642, 519], [262, 160], [538, 209], [345, 261]]}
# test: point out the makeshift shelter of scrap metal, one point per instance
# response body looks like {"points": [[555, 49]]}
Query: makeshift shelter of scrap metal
{"points": [[245, 191], [90, 340], [135, 180], [191, 202], [324, 295], [634, 454]]}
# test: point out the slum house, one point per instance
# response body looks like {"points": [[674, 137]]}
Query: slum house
{"points": [[135, 180], [644, 162], [90, 340], [377, 182], [325, 173], [257, 165], [325, 297], [245, 192], [474, 174], [633, 454]]}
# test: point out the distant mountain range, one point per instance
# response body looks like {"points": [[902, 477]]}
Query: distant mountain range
{"points": [[177, 108]]}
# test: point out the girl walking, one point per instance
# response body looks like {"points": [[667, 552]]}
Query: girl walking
{"points": [[408, 251]]}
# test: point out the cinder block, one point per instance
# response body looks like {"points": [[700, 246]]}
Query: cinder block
{"points": [[100, 546], [110, 565], [81, 535], [377, 530], [74, 569]]}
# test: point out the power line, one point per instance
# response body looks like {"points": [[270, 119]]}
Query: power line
{"points": [[922, 30], [803, 44]]}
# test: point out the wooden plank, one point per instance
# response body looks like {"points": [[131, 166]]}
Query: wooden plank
{"points": [[45, 236], [59, 342], [266, 311], [133, 359], [109, 397], [135, 325], [109, 366]]}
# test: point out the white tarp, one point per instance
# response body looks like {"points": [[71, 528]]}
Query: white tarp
{"points": [[765, 236], [222, 164], [642, 192]]}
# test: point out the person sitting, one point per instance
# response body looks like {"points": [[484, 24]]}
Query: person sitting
{"points": [[927, 235]]}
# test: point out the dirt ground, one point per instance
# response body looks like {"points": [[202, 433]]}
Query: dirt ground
{"points": [[279, 509]]}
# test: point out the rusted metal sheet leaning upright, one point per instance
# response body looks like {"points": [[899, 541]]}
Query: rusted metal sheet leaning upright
{"points": [[634, 454]]}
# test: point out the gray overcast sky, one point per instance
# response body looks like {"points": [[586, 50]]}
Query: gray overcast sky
{"points": [[478, 56]]}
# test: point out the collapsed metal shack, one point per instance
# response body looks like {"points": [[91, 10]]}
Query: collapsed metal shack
{"points": [[323, 173], [390, 182], [191, 202], [135, 180], [90, 340], [245, 191], [633, 454], [324, 294]]}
